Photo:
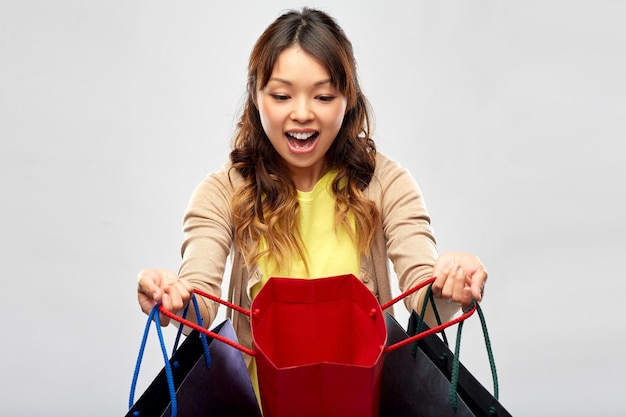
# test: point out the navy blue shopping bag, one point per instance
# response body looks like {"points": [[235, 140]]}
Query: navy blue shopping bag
{"points": [[203, 377]]}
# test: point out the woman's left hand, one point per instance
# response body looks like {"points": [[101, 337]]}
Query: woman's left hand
{"points": [[460, 277]]}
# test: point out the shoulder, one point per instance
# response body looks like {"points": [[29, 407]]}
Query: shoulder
{"points": [[225, 178], [218, 186], [389, 171], [391, 183]]}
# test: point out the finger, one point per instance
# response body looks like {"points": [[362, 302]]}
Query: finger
{"points": [[447, 291], [146, 303], [440, 280], [478, 280], [458, 285], [186, 288], [166, 302], [467, 297], [441, 269], [150, 284], [148, 289], [179, 295]]}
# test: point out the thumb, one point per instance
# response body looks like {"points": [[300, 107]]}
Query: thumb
{"points": [[149, 289], [467, 298]]}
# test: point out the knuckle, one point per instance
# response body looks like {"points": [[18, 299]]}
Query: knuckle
{"points": [[143, 274]]}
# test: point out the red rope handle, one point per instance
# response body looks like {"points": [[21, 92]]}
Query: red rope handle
{"points": [[244, 349], [433, 330], [428, 332], [408, 292], [223, 302], [207, 332]]}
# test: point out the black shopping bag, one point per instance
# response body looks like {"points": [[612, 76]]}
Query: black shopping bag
{"points": [[222, 389], [417, 379]]}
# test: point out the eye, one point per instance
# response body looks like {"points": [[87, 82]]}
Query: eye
{"points": [[326, 98], [280, 97]]}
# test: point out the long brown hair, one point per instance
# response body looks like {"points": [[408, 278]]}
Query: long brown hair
{"points": [[266, 205]]}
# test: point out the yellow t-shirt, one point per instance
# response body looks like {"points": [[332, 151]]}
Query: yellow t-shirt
{"points": [[330, 251]]}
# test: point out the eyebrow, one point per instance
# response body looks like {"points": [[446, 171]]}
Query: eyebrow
{"points": [[287, 82]]}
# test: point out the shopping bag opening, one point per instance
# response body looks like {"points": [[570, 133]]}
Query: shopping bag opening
{"points": [[292, 327]]}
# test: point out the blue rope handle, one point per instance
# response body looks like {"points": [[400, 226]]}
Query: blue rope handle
{"points": [[142, 346], [154, 315], [205, 343], [168, 368], [179, 333]]}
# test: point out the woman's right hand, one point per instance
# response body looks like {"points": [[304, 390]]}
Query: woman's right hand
{"points": [[160, 285]]}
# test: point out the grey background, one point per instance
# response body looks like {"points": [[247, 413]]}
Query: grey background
{"points": [[509, 114]]}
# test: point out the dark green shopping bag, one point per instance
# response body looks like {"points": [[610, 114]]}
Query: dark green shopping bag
{"points": [[426, 379]]}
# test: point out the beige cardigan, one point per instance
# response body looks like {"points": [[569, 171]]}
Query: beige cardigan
{"points": [[405, 237]]}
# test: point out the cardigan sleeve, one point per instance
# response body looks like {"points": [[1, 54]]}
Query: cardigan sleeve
{"points": [[410, 240], [208, 235]]}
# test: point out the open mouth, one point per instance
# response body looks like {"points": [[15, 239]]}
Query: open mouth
{"points": [[301, 141]]}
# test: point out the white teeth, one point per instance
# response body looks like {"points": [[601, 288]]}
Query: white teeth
{"points": [[301, 136]]}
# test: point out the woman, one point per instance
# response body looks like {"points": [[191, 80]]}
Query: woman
{"points": [[305, 193]]}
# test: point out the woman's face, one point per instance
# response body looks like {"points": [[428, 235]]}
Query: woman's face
{"points": [[301, 113]]}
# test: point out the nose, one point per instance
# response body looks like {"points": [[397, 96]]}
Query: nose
{"points": [[301, 111]]}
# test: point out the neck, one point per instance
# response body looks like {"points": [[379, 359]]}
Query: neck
{"points": [[306, 178]]}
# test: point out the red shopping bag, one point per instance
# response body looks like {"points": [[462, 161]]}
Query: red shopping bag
{"points": [[319, 345]]}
